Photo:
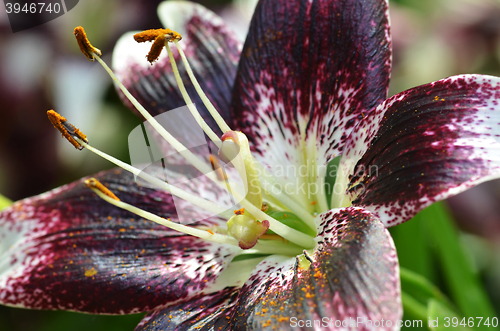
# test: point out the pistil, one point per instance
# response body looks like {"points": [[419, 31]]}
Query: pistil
{"points": [[235, 146]]}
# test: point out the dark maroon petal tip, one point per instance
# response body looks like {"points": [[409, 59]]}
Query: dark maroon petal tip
{"points": [[310, 69], [69, 249], [426, 144]]}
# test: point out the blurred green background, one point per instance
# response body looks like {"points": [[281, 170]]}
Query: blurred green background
{"points": [[449, 254]]}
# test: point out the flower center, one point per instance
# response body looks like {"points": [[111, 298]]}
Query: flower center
{"points": [[273, 220]]}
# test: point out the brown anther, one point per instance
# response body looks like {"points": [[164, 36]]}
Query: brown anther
{"points": [[150, 35], [156, 48], [159, 36], [87, 49], [95, 184], [239, 211], [67, 129]]}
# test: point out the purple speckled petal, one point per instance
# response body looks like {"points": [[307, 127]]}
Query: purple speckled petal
{"points": [[211, 48], [209, 312], [426, 144], [309, 71], [353, 277], [68, 249]]}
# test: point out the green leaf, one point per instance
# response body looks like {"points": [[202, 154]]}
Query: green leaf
{"points": [[464, 285], [421, 289], [442, 318], [414, 252], [4, 202], [413, 307]]}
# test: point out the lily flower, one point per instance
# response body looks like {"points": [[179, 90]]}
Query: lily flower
{"points": [[309, 86]]}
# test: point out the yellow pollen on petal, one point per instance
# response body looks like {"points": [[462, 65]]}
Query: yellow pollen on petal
{"points": [[67, 129], [95, 184], [85, 46], [90, 272]]}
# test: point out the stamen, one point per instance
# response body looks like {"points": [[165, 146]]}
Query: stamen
{"points": [[200, 202], [203, 234], [81, 141], [95, 184], [67, 129], [163, 37], [85, 46], [215, 114], [159, 36], [188, 155], [266, 247], [201, 122], [150, 35], [179, 147], [156, 49]]}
